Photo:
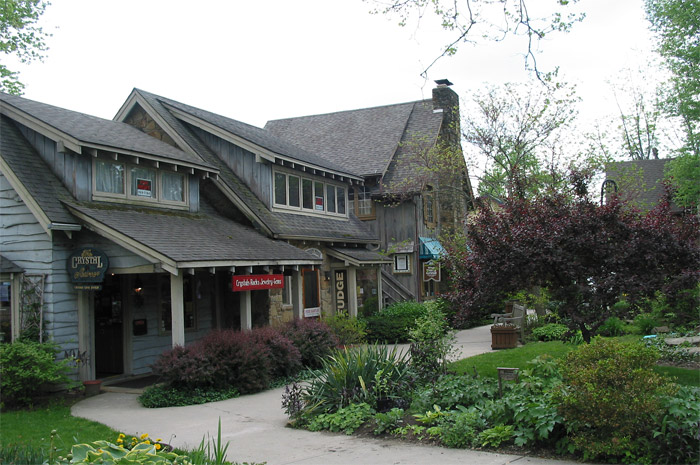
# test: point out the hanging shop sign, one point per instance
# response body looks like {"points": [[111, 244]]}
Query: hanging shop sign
{"points": [[255, 282], [341, 295], [431, 271], [86, 268]]}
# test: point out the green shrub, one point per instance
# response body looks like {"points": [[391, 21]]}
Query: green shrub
{"points": [[610, 397], [449, 391], [612, 327], [550, 332], [347, 419], [676, 436], [369, 307], [461, 428], [314, 339], [387, 422], [159, 396], [393, 323], [645, 323], [431, 343], [362, 374], [494, 437], [347, 330], [26, 368]]}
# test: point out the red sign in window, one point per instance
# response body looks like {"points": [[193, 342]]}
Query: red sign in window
{"points": [[257, 282]]}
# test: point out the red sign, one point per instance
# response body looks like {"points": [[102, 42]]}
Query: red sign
{"points": [[256, 282]]}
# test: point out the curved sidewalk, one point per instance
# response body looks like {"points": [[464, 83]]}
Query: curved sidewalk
{"points": [[254, 425]]}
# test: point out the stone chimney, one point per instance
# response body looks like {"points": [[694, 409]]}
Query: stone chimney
{"points": [[447, 100]]}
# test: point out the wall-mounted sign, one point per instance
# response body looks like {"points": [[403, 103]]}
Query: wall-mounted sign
{"points": [[341, 296], [431, 271], [144, 187], [86, 268], [256, 282], [312, 312]]}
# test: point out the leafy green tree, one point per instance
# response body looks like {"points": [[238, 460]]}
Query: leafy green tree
{"points": [[684, 175], [20, 36], [474, 21], [518, 133], [677, 27]]}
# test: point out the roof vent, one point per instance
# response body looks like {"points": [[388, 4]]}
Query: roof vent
{"points": [[443, 83]]}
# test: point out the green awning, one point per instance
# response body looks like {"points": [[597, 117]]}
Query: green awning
{"points": [[430, 248]]}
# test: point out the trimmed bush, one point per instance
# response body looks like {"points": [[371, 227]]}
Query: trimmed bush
{"points": [[348, 330], [551, 332], [221, 360], [285, 357], [313, 338], [610, 398], [26, 368], [393, 324]]}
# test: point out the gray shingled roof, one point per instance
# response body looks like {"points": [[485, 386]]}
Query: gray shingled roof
{"points": [[359, 255], [191, 237], [92, 130], [257, 136], [34, 174], [364, 140], [422, 131], [283, 225]]}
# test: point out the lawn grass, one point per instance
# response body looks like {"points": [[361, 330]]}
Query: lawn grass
{"points": [[487, 363], [32, 427]]}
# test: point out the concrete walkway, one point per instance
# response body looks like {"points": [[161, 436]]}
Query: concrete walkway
{"points": [[254, 425]]}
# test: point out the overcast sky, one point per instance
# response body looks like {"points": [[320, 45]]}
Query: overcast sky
{"points": [[267, 59]]}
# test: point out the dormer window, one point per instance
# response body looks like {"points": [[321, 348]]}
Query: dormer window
{"points": [[145, 184], [297, 193]]}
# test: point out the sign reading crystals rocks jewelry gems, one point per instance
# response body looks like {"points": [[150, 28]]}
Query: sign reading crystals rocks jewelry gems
{"points": [[255, 282]]}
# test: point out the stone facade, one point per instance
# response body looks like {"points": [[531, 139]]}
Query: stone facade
{"points": [[143, 121]]}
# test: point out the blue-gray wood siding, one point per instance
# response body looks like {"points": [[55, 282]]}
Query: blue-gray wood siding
{"points": [[258, 176]]}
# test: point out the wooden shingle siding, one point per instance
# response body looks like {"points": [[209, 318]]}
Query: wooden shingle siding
{"points": [[258, 176]]}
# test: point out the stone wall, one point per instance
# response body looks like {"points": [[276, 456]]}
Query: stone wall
{"points": [[141, 120]]}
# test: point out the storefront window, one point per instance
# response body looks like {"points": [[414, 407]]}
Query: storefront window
{"points": [[109, 177], [189, 297], [367, 289], [5, 311], [311, 290]]}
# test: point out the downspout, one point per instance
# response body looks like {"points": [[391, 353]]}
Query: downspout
{"points": [[417, 250]]}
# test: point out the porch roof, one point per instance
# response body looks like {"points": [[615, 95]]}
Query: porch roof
{"points": [[8, 266], [179, 240], [358, 256]]}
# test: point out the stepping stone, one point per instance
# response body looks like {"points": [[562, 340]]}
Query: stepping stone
{"points": [[675, 341]]}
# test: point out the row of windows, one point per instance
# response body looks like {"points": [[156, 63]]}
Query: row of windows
{"points": [[120, 180], [305, 194]]}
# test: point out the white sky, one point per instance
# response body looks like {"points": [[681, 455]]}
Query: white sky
{"points": [[267, 59]]}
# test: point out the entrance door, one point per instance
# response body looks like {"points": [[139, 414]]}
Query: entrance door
{"points": [[109, 333]]}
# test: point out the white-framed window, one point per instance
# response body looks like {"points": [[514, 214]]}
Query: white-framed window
{"points": [[360, 202], [303, 194], [115, 180], [287, 291], [402, 263]]}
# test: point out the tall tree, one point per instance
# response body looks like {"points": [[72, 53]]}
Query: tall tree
{"points": [[677, 27], [472, 21], [20, 36], [588, 256], [517, 132]]}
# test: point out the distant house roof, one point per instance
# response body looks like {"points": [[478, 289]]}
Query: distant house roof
{"points": [[641, 181], [78, 129], [363, 140], [27, 171], [278, 224]]}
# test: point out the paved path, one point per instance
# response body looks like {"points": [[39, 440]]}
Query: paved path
{"points": [[255, 427]]}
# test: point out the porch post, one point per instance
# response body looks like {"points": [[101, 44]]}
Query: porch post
{"points": [[86, 343], [380, 298], [352, 291], [297, 295], [246, 317], [177, 309]]}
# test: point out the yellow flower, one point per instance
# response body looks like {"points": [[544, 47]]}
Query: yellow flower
{"points": [[144, 436], [146, 441], [120, 440], [158, 440], [157, 446], [121, 435]]}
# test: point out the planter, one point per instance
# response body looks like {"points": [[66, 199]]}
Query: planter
{"points": [[504, 337], [92, 387]]}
